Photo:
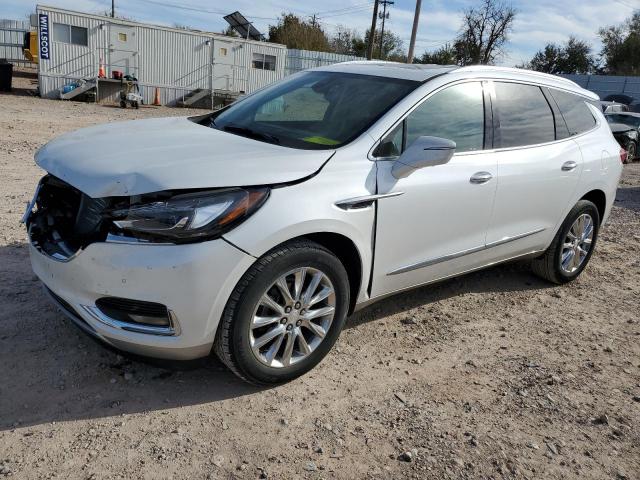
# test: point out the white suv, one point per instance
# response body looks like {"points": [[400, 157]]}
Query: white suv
{"points": [[254, 231]]}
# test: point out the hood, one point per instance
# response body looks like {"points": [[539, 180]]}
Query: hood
{"points": [[620, 128], [144, 156]]}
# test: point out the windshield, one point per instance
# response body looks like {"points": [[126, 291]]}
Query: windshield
{"points": [[625, 120], [314, 110]]}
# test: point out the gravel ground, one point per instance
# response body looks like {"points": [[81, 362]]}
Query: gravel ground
{"points": [[491, 375]]}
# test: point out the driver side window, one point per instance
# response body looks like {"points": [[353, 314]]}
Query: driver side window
{"points": [[455, 113]]}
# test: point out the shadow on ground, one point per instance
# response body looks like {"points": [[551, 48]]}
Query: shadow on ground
{"points": [[53, 372]]}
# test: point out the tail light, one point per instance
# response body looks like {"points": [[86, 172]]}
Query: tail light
{"points": [[623, 155]]}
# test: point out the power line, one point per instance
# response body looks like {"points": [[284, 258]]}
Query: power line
{"points": [[626, 4], [356, 5], [357, 10]]}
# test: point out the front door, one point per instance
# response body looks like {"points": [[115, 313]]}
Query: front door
{"points": [[123, 50], [222, 61], [437, 226]]}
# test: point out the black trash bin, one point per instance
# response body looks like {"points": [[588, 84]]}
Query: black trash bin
{"points": [[6, 72]]}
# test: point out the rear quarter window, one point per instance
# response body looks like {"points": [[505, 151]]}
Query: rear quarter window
{"points": [[575, 111]]}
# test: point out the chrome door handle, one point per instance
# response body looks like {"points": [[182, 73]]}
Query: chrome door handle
{"points": [[480, 177], [568, 166]]}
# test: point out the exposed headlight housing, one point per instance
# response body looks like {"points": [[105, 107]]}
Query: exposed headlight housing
{"points": [[189, 217]]}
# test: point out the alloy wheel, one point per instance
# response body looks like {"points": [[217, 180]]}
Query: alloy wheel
{"points": [[292, 317], [577, 243]]}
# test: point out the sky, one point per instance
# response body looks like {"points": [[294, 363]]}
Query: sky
{"points": [[537, 22]]}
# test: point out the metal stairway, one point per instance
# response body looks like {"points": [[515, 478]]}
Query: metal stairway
{"points": [[193, 97], [85, 87]]}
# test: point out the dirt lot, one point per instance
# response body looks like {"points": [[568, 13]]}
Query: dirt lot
{"points": [[492, 375]]}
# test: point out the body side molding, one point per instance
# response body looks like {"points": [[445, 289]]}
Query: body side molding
{"points": [[451, 256]]}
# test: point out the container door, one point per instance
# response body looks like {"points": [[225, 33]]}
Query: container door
{"points": [[222, 71], [123, 50]]}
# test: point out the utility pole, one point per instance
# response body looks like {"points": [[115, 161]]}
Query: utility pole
{"points": [[113, 8], [372, 31], [414, 31], [383, 16]]}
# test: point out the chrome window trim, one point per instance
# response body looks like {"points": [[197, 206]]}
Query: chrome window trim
{"points": [[492, 150], [452, 256], [171, 331]]}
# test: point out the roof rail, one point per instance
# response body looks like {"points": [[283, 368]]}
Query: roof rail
{"points": [[523, 71]]}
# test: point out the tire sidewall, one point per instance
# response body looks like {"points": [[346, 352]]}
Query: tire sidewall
{"points": [[243, 314], [632, 153], [581, 207]]}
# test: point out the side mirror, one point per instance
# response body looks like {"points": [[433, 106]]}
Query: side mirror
{"points": [[423, 152]]}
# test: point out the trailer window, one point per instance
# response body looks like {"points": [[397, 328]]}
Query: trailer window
{"points": [[70, 34], [264, 62]]}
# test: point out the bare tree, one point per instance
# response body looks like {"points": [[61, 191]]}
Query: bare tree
{"points": [[485, 30]]}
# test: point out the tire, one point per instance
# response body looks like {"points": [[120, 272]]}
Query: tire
{"points": [[549, 265], [237, 337], [632, 151], [123, 104]]}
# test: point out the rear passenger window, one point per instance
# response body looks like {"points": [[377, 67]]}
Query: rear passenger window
{"points": [[525, 116], [575, 111]]}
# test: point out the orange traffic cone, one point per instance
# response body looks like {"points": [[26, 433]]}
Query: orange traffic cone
{"points": [[156, 98], [101, 73]]}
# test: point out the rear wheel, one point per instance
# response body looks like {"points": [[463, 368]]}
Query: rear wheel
{"points": [[572, 247], [284, 315]]}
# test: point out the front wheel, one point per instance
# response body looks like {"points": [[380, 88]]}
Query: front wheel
{"points": [[632, 151], [572, 247], [284, 315]]}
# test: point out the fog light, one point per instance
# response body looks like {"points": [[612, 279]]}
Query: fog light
{"points": [[134, 316]]}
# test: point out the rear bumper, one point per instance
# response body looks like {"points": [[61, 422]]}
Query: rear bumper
{"points": [[193, 281]]}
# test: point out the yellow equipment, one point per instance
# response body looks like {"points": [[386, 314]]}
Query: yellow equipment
{"points": [[30, 46]]}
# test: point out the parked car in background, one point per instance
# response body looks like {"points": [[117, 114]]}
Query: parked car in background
{"points": [[255, 230], [619, 98], [613, 107], [626, 130], [632, 103]]}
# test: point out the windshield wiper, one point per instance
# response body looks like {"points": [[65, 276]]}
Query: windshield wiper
{"points": [[247, 132]]}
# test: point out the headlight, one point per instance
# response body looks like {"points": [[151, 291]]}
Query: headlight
{"points": [[189, 217]]}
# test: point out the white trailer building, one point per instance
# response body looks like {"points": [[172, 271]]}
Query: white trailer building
{"points": [[180, 63]]}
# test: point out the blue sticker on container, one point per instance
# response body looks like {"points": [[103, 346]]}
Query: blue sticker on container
{"points": [[45, 37]]}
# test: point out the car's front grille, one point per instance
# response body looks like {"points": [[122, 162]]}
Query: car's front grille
{"points": [[65, 220]]}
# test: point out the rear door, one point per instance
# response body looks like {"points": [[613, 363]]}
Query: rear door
{"points": [[539, 166]]}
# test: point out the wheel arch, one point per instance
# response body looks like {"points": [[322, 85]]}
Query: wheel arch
{"points": [[347, 252], [599, 199]]}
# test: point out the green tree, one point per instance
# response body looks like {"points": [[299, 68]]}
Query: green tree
{"points": [[621, 47], [392, 46], [485, 30], [574, 56], [345, 40], [445, 55], [230, 32], [350, 42], [294, 32]]}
